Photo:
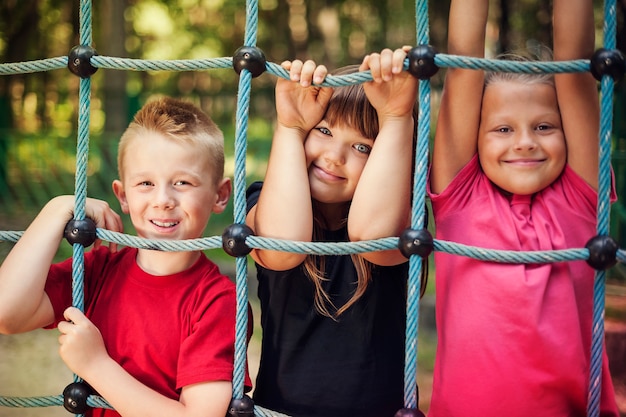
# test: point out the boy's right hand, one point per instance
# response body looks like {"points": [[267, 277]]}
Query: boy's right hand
{"points": [[300, 104], [97, 210]]}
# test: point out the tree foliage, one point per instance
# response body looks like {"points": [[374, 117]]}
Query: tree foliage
{"points": [[333, 32]]}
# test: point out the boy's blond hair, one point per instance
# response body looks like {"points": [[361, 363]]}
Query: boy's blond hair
{"points": [[179, 121]]}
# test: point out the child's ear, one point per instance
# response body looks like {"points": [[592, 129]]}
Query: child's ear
{"points": [[224, 189], [118, 190]]}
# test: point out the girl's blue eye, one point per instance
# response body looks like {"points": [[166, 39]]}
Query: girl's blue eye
{"points": [[324, 131], [363, 148]]}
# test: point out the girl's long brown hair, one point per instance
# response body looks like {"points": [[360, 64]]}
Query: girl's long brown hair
{"points": [[349, 107]]}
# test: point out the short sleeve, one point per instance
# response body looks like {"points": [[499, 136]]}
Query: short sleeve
{"points": [[252, 194]]}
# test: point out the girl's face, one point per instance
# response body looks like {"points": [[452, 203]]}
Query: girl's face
{"points": [[521, 145], [335, 159], [168, 188]]}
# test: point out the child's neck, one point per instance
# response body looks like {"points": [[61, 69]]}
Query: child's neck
{"points": [[165, 263], [332, 216]]}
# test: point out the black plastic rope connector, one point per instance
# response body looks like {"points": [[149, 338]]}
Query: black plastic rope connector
{"points": [[250, 58], [241, 407], [80, 231], [75, 397], [409, 412], [416, 242], [422, 61], [79, 61], [602, 252], [234, 240], [608, 62]]}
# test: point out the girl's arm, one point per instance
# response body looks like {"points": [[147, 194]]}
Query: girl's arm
{"points": [[284, 208], [577, 94], [24, 305], [459, 113], [83, 351], [381, 204]]}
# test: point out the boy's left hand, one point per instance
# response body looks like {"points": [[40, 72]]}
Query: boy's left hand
{"points": [[81, 344], [393, 91]]}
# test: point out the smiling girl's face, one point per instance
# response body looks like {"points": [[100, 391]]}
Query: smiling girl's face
{"points": [[335, 157], [521, 144]]}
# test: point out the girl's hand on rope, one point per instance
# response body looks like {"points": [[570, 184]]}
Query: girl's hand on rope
{"points": [[393, 91], [81, 345], [299, 104]]}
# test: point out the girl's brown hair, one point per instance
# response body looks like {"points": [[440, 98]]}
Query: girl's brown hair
{"points": [[350, 107]]}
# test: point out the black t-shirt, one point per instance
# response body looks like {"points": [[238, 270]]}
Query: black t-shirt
{"points": [[314, 366]]}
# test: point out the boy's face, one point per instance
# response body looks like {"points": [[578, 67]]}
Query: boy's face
{"points": [[168, 188], [521, 145]]}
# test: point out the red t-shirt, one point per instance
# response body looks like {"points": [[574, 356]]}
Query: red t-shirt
{"points": [[167, 331]]}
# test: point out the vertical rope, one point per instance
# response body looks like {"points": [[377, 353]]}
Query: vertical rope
{"points": [[417, 218], [604, 193], [239, 204], [82, 153]]}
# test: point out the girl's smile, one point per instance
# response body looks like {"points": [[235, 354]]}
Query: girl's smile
{"points": [[521, 144]]}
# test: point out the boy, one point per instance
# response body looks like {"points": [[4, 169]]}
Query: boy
{"points": [[157, 336]]}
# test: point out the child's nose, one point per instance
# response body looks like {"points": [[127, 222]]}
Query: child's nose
{"points": [[164, 198], [335, 154], [525, 140]]}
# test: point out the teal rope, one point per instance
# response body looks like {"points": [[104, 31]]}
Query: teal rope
{"points": [[33, 66], [239, 207], [417, 217], [160, 65], [604, 194], [239, 201]]}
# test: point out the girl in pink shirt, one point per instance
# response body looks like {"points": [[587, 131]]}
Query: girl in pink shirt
{"points": [[515, 167]]}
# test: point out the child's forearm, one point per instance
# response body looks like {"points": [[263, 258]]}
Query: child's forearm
{"points": [[24, 305], [577, 93], [381, 204], [574, 30], [284, 208], [459, 112], [131, 398], [466, 28]]}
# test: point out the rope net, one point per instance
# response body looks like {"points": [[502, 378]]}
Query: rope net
{"points": [[249, 62]]}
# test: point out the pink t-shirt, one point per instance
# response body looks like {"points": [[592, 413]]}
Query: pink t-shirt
{"points": [[514, 339], [167, 331]]}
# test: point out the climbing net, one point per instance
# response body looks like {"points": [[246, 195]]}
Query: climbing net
{"points": [[607, 65]]}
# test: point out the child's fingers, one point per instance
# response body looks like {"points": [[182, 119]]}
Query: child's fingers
{"points": [[379, 64], [399, 56], [74, 315], [386, 64], [306, 73], [320, 73], [295, 70]]}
